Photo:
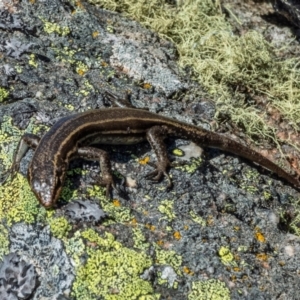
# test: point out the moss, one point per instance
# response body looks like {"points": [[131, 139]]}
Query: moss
{"points": [[220, 60], [59, 227], [112, 271], [209, 290], [166, 208], [4, 241], [3, 94]]}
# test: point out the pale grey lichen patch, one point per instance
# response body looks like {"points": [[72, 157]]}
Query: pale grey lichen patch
{"points": [[18, 279], [84, 211], [141, 64], [35, 245], [169, 274]]}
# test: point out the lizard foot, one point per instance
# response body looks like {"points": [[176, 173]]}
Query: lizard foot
{"points": [[158, 173], [106, 181]]}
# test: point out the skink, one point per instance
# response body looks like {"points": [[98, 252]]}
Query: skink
{"points": [[72, 137]]}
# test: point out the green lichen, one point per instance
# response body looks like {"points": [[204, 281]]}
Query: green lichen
{"points": [[170, 258], [197, 219], [88, 89], [65, 55], [17, 202], [120, 213], [226, 256], [191, 166], [55, 28], [112, 271], [177, 152], [3, 94], [166, 208], [59, 227], [81, 68], [75, 247], [107, 242], [211, 289], [139, 239], [4, 241], [32, 62]]}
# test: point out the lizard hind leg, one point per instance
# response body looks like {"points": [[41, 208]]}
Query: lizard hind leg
{"points": [[155, 136]]}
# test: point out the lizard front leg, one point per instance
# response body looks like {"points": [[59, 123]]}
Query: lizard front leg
{"points": [[27, 141], [106, 179]]}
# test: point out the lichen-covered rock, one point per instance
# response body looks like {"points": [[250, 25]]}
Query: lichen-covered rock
{"points": [[36, 244], [85, 211], [18, 279]]}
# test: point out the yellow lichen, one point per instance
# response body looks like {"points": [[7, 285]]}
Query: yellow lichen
{"points": [[211, 289], [227, 258], [166, 208], [112, 271], [55, 28], [17, 202], [3, 94], [4, 241], [59, 227]]}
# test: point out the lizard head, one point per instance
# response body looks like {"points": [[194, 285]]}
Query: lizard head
{"points": [[46, 180]]}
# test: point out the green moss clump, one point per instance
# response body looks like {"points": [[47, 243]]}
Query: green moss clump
{"points": [[209, 290]]}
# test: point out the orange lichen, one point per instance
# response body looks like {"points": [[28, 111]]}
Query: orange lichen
{"points": [[116, 203], [177, 235], [262, 256], [144, 161], [259, 236], [95, 34], [187, 270], [147, 85]]}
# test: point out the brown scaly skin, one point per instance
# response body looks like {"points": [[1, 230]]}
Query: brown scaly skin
{"points": [[72, 136]]}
